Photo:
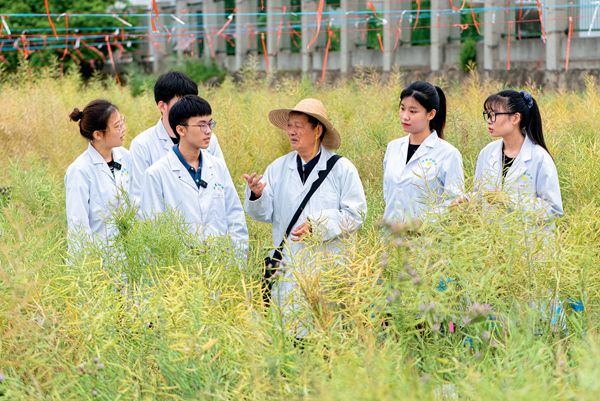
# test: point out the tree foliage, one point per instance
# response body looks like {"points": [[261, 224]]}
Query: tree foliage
{"points": [[42, 46]]}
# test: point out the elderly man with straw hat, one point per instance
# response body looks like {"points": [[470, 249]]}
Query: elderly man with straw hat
{"points": [[312, 196]]}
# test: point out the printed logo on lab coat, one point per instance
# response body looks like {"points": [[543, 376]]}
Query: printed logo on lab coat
{"points": [[427, 168]]}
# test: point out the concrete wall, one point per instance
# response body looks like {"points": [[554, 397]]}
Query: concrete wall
{"points": [[442, 55]]}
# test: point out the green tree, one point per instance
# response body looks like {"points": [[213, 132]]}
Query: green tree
{"points": [[44, 47], [421, 34]]}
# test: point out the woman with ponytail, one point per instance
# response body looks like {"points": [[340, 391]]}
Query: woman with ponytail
{"points": [[97, 179], [517, 169], [422, 173]]}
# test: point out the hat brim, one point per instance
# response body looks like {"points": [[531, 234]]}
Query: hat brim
{"points": [[331, 140]]}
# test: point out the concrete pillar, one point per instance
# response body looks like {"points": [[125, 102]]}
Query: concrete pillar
{"points": [[274, 11], [493, 22], [181, 7], [152, 50], [245, 30], [212, 20], [388, 35], [308, 31], [439, 34], [347, 35], [556, 22]]}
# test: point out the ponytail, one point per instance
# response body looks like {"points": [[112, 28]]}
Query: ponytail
{"points": [[439, 120], [534, 127]]}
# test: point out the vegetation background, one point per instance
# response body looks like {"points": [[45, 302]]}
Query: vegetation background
{"points": [[475, 307]]}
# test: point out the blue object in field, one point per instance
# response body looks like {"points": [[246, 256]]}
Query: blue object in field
{"points": [[576, 305], [492, 323], [556, 315], [469, 341], [443, 285]]}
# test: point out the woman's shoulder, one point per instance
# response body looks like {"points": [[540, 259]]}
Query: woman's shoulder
{"points": [[492, 146], [447, 147], [81, 163], [541, 155]]}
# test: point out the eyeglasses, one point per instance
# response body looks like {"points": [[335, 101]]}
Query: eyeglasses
{"points": [[490, 115], [119, 125], [203, 126]]}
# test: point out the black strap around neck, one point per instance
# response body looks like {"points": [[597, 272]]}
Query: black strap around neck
{"points": [[322, 175]]}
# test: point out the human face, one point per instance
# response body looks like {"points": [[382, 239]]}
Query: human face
{"points": [[414, 117], [197, 131], [114, 134], [500, 122], [164, 109], [302, 135]]}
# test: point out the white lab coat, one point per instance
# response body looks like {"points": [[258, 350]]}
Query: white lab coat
{"points": [[214, 211], [93, 194], [151, 145], [531, 182], [426, 185], [338, 207]]}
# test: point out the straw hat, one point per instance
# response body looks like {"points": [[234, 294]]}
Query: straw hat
{"points": [[313, 108]]}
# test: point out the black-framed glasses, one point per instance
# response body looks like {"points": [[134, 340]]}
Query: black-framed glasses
{"points": [[203, 126], [490, 115]]}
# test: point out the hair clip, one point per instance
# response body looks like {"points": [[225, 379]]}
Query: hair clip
{"points": [[528, 98]]}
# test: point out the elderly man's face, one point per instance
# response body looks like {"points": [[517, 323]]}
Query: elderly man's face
{"points": [[302, 135]]}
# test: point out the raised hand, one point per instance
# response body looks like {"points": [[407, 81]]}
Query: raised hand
{"points": [[254, 183]]}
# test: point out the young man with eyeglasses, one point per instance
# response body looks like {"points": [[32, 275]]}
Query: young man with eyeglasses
{"points": [[193, 182], [155, 142]]}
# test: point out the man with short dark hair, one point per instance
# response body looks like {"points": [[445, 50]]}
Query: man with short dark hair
{"points": [[155, 142], [192, 181]]}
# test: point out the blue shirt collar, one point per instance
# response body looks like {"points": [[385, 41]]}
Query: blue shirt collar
{"points": [[182, 160], [195, 174]]}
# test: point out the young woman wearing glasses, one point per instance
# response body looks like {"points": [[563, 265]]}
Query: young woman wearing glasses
{"points": [[517, 170], [97, 180]]}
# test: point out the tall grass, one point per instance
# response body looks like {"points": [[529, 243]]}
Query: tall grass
{"points": [[460, 309]]}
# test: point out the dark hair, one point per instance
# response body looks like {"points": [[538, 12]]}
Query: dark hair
{"points": [[94, 117], [432, 98], [312, 121], [524, 104], [173, 83], [185, 108]]}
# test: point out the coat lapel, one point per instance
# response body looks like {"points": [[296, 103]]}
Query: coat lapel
{"points": [[295, 185], [428, 144], [164, 138], [519, 166], [321, 165], [178, 169], [122, 174], [99, 162], [208, 169]]}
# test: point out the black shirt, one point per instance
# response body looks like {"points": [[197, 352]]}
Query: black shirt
{"points": [[113, 165], [506, 163], [411, 151], [308, 167]]}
